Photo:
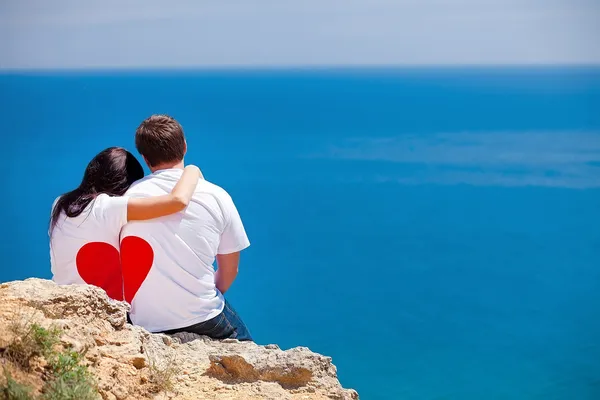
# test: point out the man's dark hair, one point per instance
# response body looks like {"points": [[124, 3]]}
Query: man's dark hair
{"points": [[159, 138]]}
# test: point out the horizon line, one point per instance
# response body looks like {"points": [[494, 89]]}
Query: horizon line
{"points": [[299, 67]]}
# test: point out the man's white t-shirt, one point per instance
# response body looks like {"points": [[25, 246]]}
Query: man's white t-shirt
{"points": [[85, 249], [179, 288]]}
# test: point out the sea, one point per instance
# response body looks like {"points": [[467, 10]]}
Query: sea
{"points": [[436, 231]]}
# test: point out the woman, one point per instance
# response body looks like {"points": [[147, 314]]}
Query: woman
{"points": [[86, 222]]}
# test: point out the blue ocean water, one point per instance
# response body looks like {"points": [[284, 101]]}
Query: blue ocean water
{"points": [[435, 231]]}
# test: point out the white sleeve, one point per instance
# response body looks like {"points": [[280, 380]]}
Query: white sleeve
{"points": [[233, 238], [112, 211]]}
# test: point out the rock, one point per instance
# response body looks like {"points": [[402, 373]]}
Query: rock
{"points": [[185, 337], [73, 344], [130, 363], [100, 341], [120, 392], [167, 340], [138, 361], [108, 396]]}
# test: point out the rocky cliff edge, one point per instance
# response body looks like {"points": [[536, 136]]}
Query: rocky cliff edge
{"points": [[127, 362]]}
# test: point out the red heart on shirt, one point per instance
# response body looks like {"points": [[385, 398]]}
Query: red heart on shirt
{"points": [[98, 264], [137, 258]]}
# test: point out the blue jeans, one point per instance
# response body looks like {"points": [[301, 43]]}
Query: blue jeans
{"points": [[227, 325]]}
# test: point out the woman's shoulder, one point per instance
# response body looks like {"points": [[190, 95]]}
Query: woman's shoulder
{"points": [[111, 210], [104, 200], [102, 197]]}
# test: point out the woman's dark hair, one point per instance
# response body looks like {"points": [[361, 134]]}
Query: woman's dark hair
{"points": [[112, 171]]}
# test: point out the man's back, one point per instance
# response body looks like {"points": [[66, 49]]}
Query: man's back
{"points": [[179, 289]]}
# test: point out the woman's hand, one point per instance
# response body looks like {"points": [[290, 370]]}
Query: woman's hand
{"points": [[193, 167]]}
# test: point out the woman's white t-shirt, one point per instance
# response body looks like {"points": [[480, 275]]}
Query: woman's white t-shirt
{"points": [[85, 249]]}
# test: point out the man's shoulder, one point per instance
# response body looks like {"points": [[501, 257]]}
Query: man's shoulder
{"points": [[151, 183], [141, 186], [215, 190], [208, 186]]}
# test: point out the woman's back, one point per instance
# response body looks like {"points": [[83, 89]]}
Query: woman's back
{"points": [[85, 248]]}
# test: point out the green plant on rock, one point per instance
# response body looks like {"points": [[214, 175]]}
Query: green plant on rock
{"points": [[70, 379], [46, 339], [13, 390], [30, 340]]}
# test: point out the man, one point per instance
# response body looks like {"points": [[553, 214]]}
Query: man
{"points": [[181, 291]]}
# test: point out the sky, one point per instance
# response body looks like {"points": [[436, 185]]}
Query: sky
{"points": [[67, 34]]}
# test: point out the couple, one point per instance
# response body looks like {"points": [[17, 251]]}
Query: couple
{"points": [[152, 241]]}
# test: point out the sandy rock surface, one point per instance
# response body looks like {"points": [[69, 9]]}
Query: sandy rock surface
{"points": [[130, 363]]}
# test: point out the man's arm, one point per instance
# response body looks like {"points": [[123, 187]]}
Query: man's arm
{"points": [[227, 270], [233, 240]]}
